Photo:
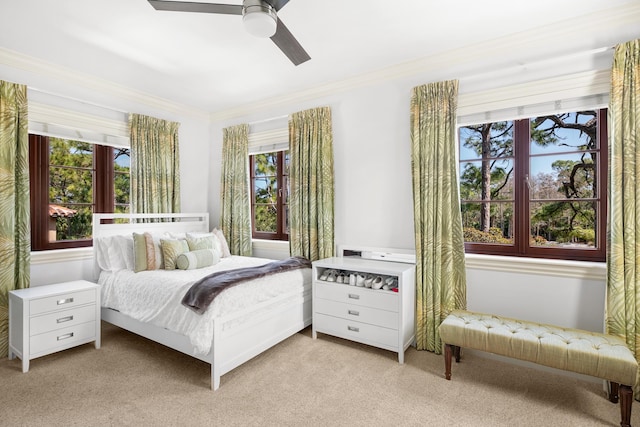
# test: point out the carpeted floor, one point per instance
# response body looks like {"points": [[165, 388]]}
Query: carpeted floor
{"points": [[132, 381]]}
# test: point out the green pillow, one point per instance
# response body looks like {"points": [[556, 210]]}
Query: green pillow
{"points": [[171, 248], [197, 259], [201, 242], [146, 252]]}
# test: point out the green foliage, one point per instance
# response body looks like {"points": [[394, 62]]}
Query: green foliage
{"points": [[587, 236], [538, 241], [71, 185], [493, 236], [564, 218], [266, 192]]}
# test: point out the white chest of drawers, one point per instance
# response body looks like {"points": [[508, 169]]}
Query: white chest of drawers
{"points": [[376, 317], [51, 318]]}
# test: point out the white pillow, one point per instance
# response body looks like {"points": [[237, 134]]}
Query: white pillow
{"points": [[114, 252], [223, 240], [100, 252]]}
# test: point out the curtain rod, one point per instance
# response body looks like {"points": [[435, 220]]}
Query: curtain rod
{"points": [[82, 101]]}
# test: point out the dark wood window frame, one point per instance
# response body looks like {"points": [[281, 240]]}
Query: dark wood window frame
{"points": [[281, 205], [103, 191], [521, 246]]}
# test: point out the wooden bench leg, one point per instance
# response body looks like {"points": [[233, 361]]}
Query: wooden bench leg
{"points": [[626, 399], [613, 392], [448, 352]]}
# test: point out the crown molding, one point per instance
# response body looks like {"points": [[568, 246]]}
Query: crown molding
{"points": [[462, 61], [37, 66]]}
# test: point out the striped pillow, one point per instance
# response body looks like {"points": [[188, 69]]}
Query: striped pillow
{"points": [[197, 259], [147, 254]]}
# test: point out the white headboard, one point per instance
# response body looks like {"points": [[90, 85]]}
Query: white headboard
{"points": [[109, 224]]}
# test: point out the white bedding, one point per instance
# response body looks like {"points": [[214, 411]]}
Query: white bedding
{"points": [[155, 296]]}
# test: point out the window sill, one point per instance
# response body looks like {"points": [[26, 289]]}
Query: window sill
{"points": [[61, 255], [538, 266], [548, 267]]}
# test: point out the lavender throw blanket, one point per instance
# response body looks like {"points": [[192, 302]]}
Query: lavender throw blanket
{"points": [[202, 293]]}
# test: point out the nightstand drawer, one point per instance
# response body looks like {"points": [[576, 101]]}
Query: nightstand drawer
{"points": [[385, 300], [62, 338], [62, 319], [374, 316], [356, 331], [62, 301]]}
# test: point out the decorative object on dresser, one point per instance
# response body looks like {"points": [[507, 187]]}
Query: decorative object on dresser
{"points": [[366, 298], [50, 318], [589, 353]]}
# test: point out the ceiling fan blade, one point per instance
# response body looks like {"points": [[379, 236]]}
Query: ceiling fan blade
{"points": [[277, 4], [289, 45], [185, 6]]}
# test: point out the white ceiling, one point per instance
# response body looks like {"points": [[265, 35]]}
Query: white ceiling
{"points": [[208, 62]]}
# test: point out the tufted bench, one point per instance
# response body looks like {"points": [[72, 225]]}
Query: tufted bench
{"points": [[589, 353]]}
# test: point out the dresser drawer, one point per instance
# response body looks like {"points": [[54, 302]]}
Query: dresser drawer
{"points": [[62, 301], [61, 319], [356, 331], [373, 316], [62, 338], [347, 294]]}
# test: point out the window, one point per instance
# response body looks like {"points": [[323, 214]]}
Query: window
{"points": [[270, 195], [536, 187], [70, 180]]}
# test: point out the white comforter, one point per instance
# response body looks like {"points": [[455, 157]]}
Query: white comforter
{"points": [[155, 296]]}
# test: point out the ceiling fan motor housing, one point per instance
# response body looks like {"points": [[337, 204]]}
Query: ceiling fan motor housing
{"points": [[259, 18]]}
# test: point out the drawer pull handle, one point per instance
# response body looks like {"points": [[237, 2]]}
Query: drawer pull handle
{"points": [[353, 329], [65, 301], [65, 336], [354, 296], [354, 313], [65, 319]]}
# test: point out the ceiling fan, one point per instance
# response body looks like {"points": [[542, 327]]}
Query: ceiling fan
{"points": [[259, 18]]}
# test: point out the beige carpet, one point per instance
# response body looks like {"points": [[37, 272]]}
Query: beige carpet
{"points": [[133, 381]]}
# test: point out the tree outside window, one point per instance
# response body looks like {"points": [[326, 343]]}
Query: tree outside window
{"points": [[270, 195], [535, 187], [70, 180]]}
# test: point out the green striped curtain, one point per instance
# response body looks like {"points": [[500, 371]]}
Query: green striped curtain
{"points": [[15, 237], [440, 267], [155, 165], [311, 184], [235, 218], [623, 244]]}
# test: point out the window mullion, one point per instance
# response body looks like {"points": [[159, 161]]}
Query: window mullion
{"points": [[280, 197], [602, 182], [103, 175], [522, 193]]}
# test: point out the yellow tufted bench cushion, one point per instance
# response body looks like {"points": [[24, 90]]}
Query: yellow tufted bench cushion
{"points": [[589, 353]]}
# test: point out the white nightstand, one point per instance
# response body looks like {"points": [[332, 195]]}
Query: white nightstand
{"points": [[47, 319]]}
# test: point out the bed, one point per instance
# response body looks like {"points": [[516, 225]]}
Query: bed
{"points": [[241, 323]]}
